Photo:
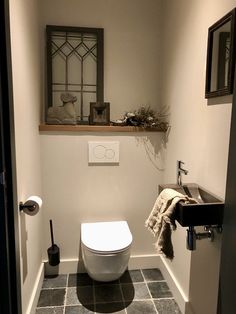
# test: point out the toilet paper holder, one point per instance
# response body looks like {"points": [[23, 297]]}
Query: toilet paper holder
{"points": [[31, 206], [23, 206]]}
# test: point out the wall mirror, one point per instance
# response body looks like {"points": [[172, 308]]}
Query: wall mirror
{"points": [[221, 57], [74, 73]]}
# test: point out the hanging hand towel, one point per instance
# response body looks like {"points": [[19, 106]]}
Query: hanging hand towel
{"points": [[161, 220]]}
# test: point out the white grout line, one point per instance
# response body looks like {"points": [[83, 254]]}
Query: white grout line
{"points": [[155, 280], [148, 290], [49, 307], [67, 280]]}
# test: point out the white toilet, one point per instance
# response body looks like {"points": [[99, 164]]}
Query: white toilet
{"points": [[106, 249]]}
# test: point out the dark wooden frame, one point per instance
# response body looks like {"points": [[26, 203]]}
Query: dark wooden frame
{"points": [[221, 59], [10, 281], [227, 90], [96, 106], [99, 32]]}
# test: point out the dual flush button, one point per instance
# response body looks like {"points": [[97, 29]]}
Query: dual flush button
{"points": [[103, 152]]}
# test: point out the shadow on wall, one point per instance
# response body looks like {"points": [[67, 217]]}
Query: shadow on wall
{"points": [[154, 147], [80, 268], [23, 246], [52, 271], [220, 100]]}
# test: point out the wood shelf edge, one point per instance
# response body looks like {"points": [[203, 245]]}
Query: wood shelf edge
{"points": [[95, 128]]}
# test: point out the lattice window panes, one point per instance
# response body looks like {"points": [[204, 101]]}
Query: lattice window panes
{"points": [[74, 67]]}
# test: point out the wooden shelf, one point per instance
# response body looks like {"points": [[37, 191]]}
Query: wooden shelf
{"points": [[95, 128]]}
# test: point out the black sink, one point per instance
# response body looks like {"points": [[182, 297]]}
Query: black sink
{"points": [[208, 210]]}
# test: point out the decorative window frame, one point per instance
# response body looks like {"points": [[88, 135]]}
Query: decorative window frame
{"points": [[99, 32]]}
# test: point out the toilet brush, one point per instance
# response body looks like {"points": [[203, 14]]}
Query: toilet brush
{"points": [[53, 251]]}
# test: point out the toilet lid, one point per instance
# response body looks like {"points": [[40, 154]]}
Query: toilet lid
{"points": [[106, 236]]}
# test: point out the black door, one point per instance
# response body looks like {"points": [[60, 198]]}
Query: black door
{"points": [[10, 296], [227, 293]]}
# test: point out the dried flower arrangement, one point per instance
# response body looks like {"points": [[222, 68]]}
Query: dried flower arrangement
{"points": [[144, 117]]}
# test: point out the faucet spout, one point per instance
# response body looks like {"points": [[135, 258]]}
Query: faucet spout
{"points": [[184, 171], [180, 170]]}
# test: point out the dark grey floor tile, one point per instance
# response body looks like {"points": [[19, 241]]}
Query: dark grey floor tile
{"points": [[136, 291], [152, 274], [102, 283], [59, 281], [167, 306], [132, 276], [85, 295], [51, 297], [159, 289], [114, 307], [81, 279], [79, 309], [108, 293], [50, 310], [141, 307], [79, 295]]}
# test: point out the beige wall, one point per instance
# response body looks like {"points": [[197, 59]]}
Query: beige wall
{"points": [[199, 134], [131, 45], [75, 192], [27, 105]]}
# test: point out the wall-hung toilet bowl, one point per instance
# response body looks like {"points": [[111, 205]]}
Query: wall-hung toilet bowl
{"points": [[106, 249]]}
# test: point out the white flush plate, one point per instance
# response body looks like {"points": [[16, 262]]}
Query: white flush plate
{"points": [[103, 152]]}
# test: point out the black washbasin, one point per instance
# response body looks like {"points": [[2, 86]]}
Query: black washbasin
{"points": [[208, 211]]}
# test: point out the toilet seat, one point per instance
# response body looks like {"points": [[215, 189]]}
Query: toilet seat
{"points": [[96, 252], [106, 237]]}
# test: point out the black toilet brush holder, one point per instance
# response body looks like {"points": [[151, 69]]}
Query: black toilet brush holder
{"points": [[53, 250]]}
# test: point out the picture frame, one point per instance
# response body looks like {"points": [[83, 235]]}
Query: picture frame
{"points": [[221, 52], [99, 113]]}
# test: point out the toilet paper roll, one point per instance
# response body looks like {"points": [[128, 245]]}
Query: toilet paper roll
{"points": [[32, 205]]}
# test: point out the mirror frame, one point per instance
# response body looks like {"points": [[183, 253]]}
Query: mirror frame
{"points": [[227, 90]]}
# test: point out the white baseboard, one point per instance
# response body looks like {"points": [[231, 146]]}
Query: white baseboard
{"points": [[36, 291], [144, 261], [137, 261], [74, 265], [174, 285], [66, 266]]}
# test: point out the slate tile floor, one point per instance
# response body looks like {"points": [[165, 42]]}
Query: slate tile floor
{"points": [[143, 291]]}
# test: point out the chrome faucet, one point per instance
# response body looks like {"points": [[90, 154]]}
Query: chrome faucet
{"points": [[180, 170]]}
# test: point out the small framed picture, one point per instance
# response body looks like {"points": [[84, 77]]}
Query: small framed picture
{"points": [[99, 113]]}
